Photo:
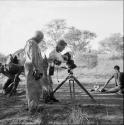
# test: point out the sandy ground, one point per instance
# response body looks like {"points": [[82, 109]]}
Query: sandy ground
{"points": [[108, 109]]}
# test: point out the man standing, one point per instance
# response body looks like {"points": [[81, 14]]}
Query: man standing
{"points": [[34, 71], [54, 57]]}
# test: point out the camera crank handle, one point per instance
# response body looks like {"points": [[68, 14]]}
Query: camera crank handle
{"points": [[63, 67]]}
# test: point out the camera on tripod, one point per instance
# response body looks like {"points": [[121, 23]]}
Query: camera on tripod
{"points": [[69, 62], [72, 79]]}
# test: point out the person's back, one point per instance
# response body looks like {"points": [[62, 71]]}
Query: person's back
{"points": [[121, 79]]}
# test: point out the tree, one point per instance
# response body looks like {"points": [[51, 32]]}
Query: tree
{"points": [[58, 29], [55, 29], [79, 39], [2, 58], [113, 44]]}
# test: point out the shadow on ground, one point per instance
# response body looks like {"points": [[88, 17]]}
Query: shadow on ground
{"points": [[107, 111]]}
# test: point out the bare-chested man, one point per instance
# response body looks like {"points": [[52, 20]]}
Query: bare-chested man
{"points": [[119, 81]]}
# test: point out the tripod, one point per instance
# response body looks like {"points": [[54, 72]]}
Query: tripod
{"points": [[72, 79]]}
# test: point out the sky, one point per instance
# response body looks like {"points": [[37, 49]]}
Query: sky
{"points": [[19, 20]]}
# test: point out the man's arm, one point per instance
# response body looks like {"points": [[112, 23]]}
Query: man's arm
{"points": [[107, 82], [34, 54]]}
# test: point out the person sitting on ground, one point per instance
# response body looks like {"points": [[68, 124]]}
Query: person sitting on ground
{"points": [[119, 81]]}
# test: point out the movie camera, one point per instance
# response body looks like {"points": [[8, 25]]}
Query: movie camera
{"points": [[69, 62]]}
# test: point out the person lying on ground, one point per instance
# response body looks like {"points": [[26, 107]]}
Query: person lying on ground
{"points": [[119, 82]]}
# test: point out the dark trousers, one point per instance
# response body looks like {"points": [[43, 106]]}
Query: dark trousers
{"points": [[7, 83]]}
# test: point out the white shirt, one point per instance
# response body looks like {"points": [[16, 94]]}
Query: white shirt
{"points": [[67, 49], [52, 54]]}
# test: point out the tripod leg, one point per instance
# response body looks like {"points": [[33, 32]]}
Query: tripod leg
{"points": [[60, 85], [84, 89], [73, 90], [70, 89]]}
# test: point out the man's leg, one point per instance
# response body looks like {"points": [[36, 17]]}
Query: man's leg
{"points": [[33, 101], [7, 83], [48, 97], [17, 80], [52, 97], [113, 90], [15, 85], [33, 90]]}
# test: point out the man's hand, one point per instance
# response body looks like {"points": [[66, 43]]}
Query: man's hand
{"points": [[57, 62], [65, 57], [37, 75], [64, 67], [101, 89]]}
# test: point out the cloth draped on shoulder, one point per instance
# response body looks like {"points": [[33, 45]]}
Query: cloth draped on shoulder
{"points": [[33, 55], [33, 60]]}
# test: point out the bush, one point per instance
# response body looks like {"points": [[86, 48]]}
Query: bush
{"points": [[116, 57], [90, 60], [2, 58]]}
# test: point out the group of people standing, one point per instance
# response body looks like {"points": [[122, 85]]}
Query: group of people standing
{"points": [[39, 70], [37, 81], [34, 61]]}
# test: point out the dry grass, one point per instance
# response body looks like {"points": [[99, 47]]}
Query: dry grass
{"points": [[107, 111]]}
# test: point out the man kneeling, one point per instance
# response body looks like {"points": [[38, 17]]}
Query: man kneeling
{"points": [[119, 81]]}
